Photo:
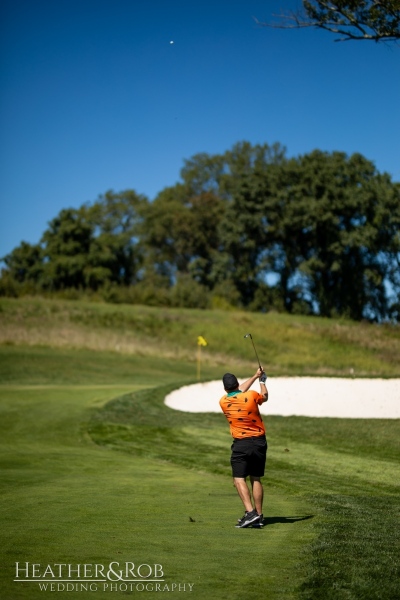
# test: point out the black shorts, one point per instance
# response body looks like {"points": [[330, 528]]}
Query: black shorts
{"points": [[249, 456]]}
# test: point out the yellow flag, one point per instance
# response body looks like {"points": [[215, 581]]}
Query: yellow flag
{"points": [[201, 341]]}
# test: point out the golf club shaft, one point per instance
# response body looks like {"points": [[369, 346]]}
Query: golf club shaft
{"points": [[251, 337], [258, 360]]}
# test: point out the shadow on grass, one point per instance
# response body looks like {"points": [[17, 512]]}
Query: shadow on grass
{"points": [[273, 520]]}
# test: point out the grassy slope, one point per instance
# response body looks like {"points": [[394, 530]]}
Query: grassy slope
{"points": [[330, 501], [287, 344]]}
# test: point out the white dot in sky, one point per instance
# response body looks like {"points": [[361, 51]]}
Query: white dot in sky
{"points": [[172, 41]]}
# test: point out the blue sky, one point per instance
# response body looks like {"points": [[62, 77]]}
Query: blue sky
{"points": [[95, 97]]}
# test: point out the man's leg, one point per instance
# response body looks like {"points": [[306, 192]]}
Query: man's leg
{"points": [[244, 493], [258, 493]]}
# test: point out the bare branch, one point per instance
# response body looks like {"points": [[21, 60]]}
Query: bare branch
{"points": [[364, 20]]}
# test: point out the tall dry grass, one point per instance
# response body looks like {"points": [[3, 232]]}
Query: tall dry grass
{"points": [[286, 344]]}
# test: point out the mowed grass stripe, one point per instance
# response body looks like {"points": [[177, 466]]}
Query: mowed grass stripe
{"points": [[328, 462], [111, 386]]}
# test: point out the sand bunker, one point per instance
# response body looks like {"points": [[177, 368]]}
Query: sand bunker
{"points": [[304, 396]]}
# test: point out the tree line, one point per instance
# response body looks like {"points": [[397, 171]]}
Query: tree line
{"points": [[249, 228]]}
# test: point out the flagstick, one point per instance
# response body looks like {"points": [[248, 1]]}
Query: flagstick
{"points": [[198, 361], [200, 342]]}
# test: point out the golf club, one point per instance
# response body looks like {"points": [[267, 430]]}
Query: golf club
{"points": [[251, 337]]}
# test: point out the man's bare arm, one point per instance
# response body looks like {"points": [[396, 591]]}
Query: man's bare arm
{"points": [[264, 392], [247, 384]]}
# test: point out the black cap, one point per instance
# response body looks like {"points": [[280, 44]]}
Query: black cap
{"points": [[230, 382]]}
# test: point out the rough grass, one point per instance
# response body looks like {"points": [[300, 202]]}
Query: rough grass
{"points": [[356, 553], [286, 344]]}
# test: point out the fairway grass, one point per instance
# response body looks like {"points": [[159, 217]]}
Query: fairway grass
{"points": [[67, 500]]}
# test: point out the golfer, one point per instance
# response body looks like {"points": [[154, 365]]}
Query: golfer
{"points": [[249, 448]]}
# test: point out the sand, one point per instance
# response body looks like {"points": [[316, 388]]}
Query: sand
{"points": [[304, 396]]}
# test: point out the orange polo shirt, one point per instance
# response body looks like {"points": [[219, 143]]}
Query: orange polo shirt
{"points": [[241, 410]]}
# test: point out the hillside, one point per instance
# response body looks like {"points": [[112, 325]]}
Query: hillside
{"points": [[286, 344]]}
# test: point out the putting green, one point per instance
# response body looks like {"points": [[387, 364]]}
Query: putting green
{"points": [[66, 500]]}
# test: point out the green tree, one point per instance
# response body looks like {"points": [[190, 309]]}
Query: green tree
{"points": [[115, 254], [339, 233], [242, 178], [251, 189], [180, 233], [83, 248], [66, 246], [25, 263]]}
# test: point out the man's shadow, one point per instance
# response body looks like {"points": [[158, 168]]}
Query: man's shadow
{"points": [[273, 520]]}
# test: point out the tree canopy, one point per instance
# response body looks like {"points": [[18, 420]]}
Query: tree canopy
{"points": [[314, 234]]}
